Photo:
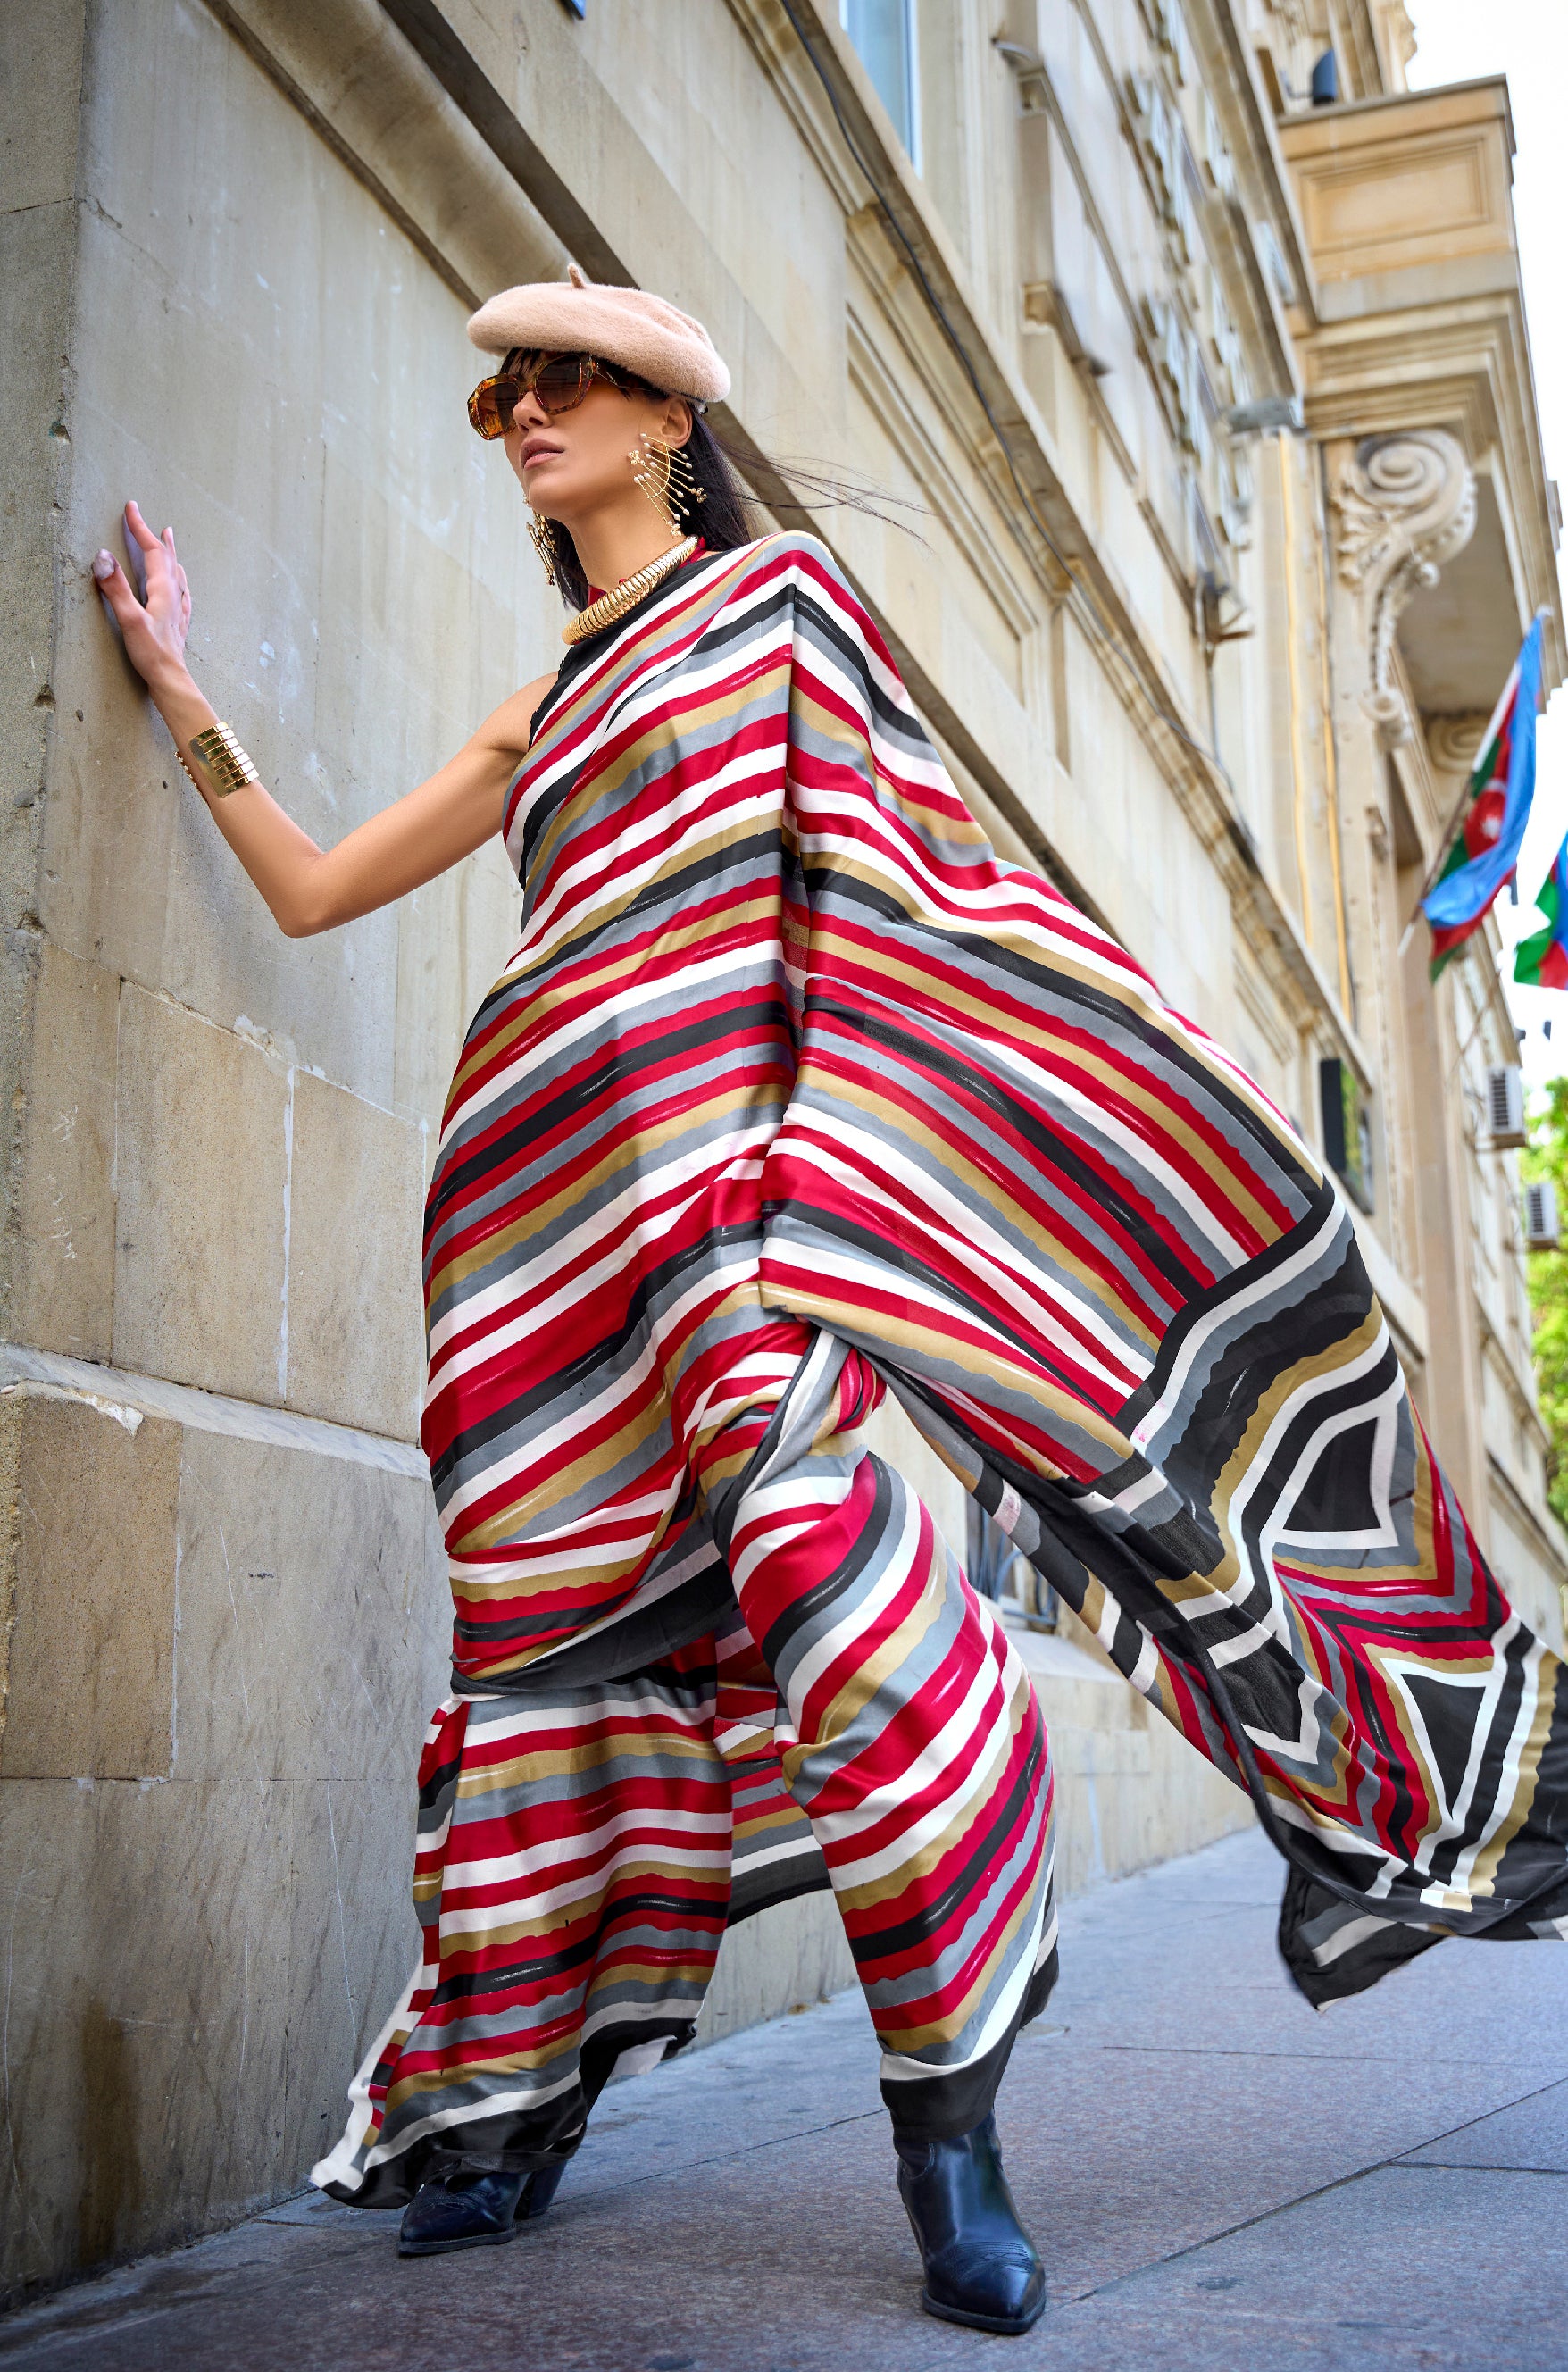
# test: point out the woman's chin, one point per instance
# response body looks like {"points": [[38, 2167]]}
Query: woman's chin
{"points": [[547, 492]]}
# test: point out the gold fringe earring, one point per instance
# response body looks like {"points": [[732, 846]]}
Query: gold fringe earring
{"points": [[541, 532], [664, 474]]}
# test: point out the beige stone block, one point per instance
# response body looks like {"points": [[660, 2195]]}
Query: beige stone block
{"points": [[149, 2055], [135, 874], [374, 91], [41, 71], [1130, 1790], [37, 276], [892, 1437], [64, 1288], [315, 1620], [354, 1941], [1423, 180], [204, 1960], [200, 1119], [355, 1310], [282, 1676], [37, 295], [356, 617], [786, 1958], [91, 1653]]}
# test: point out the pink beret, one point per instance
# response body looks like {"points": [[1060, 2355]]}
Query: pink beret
{"points": [[579, 316]]}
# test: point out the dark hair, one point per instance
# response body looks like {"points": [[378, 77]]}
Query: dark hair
{"points": [[723, 519]]}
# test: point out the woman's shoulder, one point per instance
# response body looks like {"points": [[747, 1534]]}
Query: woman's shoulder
{"points": [[787, 547]]}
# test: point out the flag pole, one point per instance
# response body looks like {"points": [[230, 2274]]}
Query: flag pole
{"points": [[1457, 818]]}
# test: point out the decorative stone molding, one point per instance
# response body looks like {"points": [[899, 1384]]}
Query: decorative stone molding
{"points": [[1406, 504], [1453, 743], [1400, 34]]}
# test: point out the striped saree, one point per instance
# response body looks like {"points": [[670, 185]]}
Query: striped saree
{"points": [[793, 1094]]}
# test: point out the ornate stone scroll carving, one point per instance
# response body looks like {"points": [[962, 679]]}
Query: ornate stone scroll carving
{"points": [[1406, 504], [1453, 743]]}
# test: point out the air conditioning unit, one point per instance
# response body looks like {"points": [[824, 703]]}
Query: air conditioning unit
{"points": [[1506, 1106], [1540, 1216]]}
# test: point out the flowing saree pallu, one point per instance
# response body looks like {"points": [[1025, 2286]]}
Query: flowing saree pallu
{"points": [[787, 1058]]}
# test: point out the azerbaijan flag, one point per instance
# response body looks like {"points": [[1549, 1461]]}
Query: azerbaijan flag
{"points": [[1500, 790], [1541, 961]]}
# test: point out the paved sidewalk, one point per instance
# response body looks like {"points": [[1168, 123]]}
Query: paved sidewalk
{"points": [[1217, 2177]]}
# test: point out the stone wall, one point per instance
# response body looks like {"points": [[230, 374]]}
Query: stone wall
{"points": [[227, 1621], [228, 1603]]}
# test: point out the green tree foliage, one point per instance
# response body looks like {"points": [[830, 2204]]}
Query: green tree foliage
{"points": [[1547, 1156]]}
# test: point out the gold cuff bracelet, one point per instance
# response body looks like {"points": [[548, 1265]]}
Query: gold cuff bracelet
{"points": [[225, 762]]}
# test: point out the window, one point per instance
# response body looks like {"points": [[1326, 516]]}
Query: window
{"points": [[1347, 1128], [883, 33], [995, 1569]]}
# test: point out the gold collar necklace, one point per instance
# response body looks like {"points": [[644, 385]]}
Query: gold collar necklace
{"points": [[627, 593]]}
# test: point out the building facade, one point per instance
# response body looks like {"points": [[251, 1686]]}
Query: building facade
{"points": [[1212, 407]]}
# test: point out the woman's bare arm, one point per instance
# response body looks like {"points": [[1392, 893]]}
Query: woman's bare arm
{"points": [[309, 889]]}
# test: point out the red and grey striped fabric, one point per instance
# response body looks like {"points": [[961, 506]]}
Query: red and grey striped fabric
{"points": [[583, 1848], [792, 1086]]}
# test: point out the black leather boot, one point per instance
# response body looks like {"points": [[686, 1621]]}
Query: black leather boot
{"points": [[981, 2266], [473, 2211]]}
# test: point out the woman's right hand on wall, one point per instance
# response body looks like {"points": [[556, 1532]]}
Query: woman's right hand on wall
{"points": [[452, 814], [154, 629]]}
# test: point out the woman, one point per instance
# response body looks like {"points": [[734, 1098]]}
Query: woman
{"points": [[792, 1093]]}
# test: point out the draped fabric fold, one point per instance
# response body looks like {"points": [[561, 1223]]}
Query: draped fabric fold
{"points": [[791, 1093]]}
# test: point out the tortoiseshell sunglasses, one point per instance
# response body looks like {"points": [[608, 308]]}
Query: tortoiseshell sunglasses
{"points": [[559, 382]]}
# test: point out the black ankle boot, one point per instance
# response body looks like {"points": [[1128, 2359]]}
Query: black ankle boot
{"points": [[473, 2211], [981, 2266]]}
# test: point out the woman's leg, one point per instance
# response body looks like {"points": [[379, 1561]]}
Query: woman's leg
{"points": [[575, 1861], [910, 1734]]}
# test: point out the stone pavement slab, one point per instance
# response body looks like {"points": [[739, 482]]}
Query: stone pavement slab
{"points": [[1217, 2176], [1531, 2137]]}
